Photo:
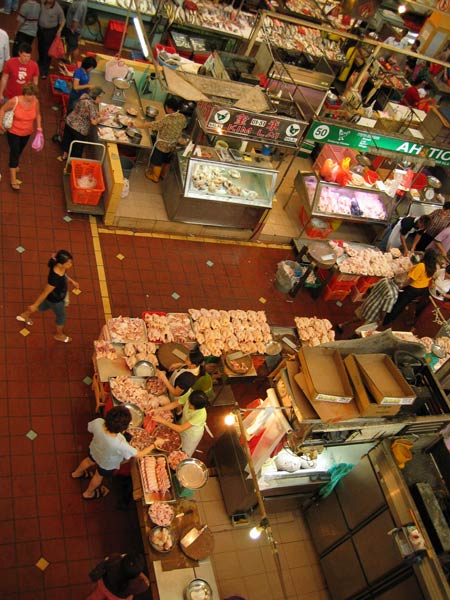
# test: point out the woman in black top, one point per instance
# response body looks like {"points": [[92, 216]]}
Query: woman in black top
{"points": [[119, 576], [54, 294]]}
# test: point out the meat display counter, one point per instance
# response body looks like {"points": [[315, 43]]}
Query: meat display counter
{"points": [[210, 192], [324, 199]]}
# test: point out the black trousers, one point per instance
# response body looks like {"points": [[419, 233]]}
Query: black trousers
{"points": [[69, 136], [45, 39], [404, 298], [16, 144], [19, 39]]}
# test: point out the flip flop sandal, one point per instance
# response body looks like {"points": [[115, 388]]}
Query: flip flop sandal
{"points": [[84, 475], [15, 186], [23, 320], [66, 340], [61, 159], [99, 493]]}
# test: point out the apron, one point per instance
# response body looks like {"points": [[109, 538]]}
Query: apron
{"points": [[190, 438]]}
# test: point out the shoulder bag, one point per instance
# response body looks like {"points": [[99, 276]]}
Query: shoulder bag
{"points": [[8, 117]]}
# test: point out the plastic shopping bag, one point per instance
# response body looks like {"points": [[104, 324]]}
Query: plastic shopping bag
{"points": [[57, 49], [38, 142], [115, 68]]}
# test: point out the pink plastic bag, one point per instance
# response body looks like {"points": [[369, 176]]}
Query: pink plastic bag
{"points": [[38, 142], [57, 49]]}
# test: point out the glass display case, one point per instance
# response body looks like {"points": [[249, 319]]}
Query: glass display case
{"points": [[349, 203], [214, 192]]}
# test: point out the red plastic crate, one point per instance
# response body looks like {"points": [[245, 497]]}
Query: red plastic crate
{"points": [[158, 47], [200, 58], [329, 294], [113, 35], [338, 284], [81, 168], [364, 283]]}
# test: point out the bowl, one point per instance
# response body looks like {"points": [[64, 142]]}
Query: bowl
{"points": [[151, 112], [192, 473], [144, 368], [198, 589], [159, 537], [273, 348], [137, 416], [438, 351], [132, 111], [121, 84]]}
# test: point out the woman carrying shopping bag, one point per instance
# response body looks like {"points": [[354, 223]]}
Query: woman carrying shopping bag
{"points": [[51, 23], [26, 114]]}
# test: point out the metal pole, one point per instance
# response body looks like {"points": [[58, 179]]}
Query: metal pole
{"points": [[124, 34], [262, 508]]}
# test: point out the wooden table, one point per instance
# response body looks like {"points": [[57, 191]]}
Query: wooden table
{"points": [[175, 559]]}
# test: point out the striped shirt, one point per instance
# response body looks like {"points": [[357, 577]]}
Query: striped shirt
{"points": [[381, 299], [440, 219]]}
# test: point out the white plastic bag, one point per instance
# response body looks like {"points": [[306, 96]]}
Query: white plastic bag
{"points": [[125, 189], [115, 68]]}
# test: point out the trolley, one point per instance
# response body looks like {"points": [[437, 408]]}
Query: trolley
{"points": [[62, 102], [98, 150]]}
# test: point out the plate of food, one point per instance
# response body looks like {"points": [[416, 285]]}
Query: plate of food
{"points": [[162, 539], [140, 439], [161, 514], [165, 439]]}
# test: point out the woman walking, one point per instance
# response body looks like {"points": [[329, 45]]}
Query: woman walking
{"points": [[27, 112], [54, 294], [51, 23], [79, 121], [419, 280]]}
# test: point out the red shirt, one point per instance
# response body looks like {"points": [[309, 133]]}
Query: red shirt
{"points": [[411, 97], [18, 76]]}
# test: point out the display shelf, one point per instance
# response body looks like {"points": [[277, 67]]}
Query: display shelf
{"points": [[324, 199]]}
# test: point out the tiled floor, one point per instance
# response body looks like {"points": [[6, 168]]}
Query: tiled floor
{"points": [[45, 396]]}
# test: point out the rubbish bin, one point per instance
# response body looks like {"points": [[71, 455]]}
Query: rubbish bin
{"points": [[127, 166], [288, 274]]}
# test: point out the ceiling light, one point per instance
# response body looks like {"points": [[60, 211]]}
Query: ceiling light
{"points": [[230, 419], [140, 34]]}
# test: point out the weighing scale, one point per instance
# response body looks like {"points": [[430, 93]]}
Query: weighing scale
{"points": [[120, 85]]}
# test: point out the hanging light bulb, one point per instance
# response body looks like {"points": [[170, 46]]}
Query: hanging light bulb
{"points": [[255, 532], [401, 9], [230, 419]]}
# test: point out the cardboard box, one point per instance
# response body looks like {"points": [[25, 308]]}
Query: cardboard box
{"points": [[329, 412], [384, 380], [325, 374], [302, 406], [366, 407]]}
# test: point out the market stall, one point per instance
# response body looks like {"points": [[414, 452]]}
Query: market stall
{"points": [[222, 185]]}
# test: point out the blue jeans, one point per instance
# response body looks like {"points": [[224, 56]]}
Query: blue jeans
{"points": [[11, 5], [57, 307]]}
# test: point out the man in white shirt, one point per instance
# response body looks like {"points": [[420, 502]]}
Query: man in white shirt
{"points": [[4, 48]]}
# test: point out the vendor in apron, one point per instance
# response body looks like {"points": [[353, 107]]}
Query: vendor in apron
{"points": [[169, 130], [193, 364], [403, 229], [193, 420], [179, 385]]}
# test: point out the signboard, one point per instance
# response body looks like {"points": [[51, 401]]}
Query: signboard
{"points": [[365, 141], [268, 129]]}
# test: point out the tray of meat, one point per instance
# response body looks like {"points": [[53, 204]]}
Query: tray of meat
{"points": [[105, 349], [157, 325], [166, 439], [140, 438], [127, 329], [132, 389], [175, 457], [161, 513], [156, 386], [156, 479], [181, 327]]}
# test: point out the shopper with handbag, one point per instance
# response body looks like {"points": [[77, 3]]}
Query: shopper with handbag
{"points": [[18, 117], [119, 576], [51, 23]]}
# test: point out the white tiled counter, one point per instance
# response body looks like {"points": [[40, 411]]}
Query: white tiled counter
{"points": [[171, 584]]}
